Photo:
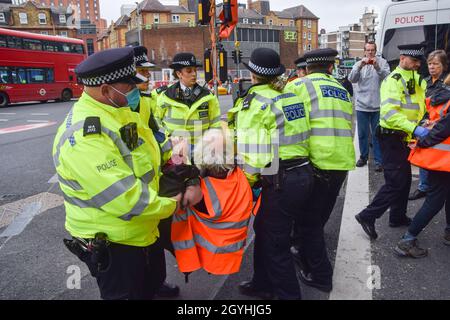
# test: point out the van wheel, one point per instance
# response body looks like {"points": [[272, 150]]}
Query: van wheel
{"points": [[66, 95], [4, 100]]}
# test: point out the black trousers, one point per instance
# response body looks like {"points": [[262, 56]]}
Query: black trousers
{"points": [[397, 175], [274, 268], [133, 273], [309, 232], [437, 196], [165, 231]]}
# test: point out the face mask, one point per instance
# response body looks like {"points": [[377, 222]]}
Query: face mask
{"points": [[133, 98]]}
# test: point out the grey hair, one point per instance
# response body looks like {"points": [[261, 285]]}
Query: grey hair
{"points": [[214, 153]]}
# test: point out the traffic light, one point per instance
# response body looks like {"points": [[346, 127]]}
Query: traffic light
{"points": [[204, 6], [208, 67], [233, 55], [237, 56], [223, 65]]}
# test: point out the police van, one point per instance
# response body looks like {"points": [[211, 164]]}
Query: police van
{"points": [[414, 21]]}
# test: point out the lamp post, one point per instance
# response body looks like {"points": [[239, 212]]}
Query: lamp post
{"points": [[138, 13]]}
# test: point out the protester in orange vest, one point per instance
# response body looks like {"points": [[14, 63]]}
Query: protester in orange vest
{"points": [[212, 234], [432, 153]]}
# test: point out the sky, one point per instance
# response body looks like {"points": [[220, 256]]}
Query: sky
{"points": [[332, 13]]}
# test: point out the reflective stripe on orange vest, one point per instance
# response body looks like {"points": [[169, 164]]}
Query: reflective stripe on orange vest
{"points": [[215, 240], [436, 158]]}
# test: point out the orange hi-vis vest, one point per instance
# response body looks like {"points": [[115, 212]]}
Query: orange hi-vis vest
{"points": [[215, 240], [436, 158]]}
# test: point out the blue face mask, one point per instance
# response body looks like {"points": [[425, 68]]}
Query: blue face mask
{"points": [[133, 98]]}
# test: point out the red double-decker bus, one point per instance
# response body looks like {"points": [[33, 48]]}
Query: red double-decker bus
{"points": [[35, 67]]}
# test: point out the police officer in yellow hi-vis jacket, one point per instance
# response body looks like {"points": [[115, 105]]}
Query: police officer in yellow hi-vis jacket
{"points": [[187, 109], [402, 107], [332, 154], [272, 135], [109, 168]]}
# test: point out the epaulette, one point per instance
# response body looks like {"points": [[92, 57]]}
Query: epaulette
{"points": [[397, 76], [92, 126], [248, 101], [161, 89], [147, 95]]}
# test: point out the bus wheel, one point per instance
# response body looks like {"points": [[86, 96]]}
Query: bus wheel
{"points": [[66, 95], [4, 100]]}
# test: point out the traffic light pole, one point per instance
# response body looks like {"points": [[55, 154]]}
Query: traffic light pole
{"points": [[214, 45]]}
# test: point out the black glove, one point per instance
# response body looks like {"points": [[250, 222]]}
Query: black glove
{"points": [[176, 178]]}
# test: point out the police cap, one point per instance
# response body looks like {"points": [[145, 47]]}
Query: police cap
{"points": [[184, 60], [300, 63], [108, 67], [416, 51], [141, 57], [321, 56], [265, 62]]}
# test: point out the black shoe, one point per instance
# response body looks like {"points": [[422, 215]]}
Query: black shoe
{"points": [[410, 248], [246, 288], [417, 195], [405, 223], [361, 162], [368, 227], [307, 279], [168, 290], [378, 168]]}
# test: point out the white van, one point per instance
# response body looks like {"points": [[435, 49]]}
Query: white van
{"points": [[414, 21]]}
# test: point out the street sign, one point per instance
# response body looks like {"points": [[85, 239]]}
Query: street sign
{"points": [[348, 64]]}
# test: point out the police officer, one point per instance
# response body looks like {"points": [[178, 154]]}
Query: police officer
{"points": [[108, 168], [147, 109], [186, 106], [272, 136], [332, 154], [402, 107], [301, 67]]}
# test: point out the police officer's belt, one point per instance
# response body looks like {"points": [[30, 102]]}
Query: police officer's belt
{"points": [[392, 132]]}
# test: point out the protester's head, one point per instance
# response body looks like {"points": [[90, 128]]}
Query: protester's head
{"points": [[214, 155], [437, 63], [370, 50], [266, 68]]}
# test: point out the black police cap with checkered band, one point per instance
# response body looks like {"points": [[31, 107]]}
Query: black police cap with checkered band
{"points": [[184, 60], [416, 51], [300, 63], [141, 57], [265, 62], [108, 67], [321, 56]]}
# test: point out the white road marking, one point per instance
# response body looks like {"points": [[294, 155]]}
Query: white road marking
{"points": [[3, 120], [353, 257], [7, 114], [38, 121], [40, 114]]}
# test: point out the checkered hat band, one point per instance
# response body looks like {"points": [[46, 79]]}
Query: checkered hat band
{"points": [[301, 65], [413, 53], [319, 59], [264, 71], [111, 77], [183, 63], [142, 58]]}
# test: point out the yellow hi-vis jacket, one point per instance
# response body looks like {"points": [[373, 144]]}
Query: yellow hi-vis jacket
{"points": [[400, 109], [189, 120], [331, 110], [109, 185], [269, 125]]}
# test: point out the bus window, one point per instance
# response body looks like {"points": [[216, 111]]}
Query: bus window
{"points": [[15, 43], [4, 75], [50, 46], [20, 76], [3, 43], [50, 76], [65, 47], [77, 48], [36, 75], [30, 44]]}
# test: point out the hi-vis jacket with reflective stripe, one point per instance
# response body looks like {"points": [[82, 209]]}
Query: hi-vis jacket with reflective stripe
{"points": [[215, 240], [331, 110], [108, 187], [181, 119], [269, 126], [401, 110], [435, 155]]}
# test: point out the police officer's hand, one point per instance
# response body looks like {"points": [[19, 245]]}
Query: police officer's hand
{"points": [[178, 199], [192, 196]]}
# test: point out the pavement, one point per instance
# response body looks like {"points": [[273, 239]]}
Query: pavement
{"points": [[35, 265]]}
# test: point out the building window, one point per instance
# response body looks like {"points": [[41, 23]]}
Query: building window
{"points": [[304, 35], [309, 24], [270, 22], [309, 47], [304, 23], [64, 34], [291, 23], [2, 17], [245, 20], [23, 18], [44, 33], [309, 35], [156, 18], [175, 18], [62, 18], [42, 18], [90, 46], [304, 47]]}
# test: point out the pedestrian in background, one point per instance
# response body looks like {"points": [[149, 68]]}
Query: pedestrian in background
{"points": [[437, 66], [432, 152], [368, 75]]}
